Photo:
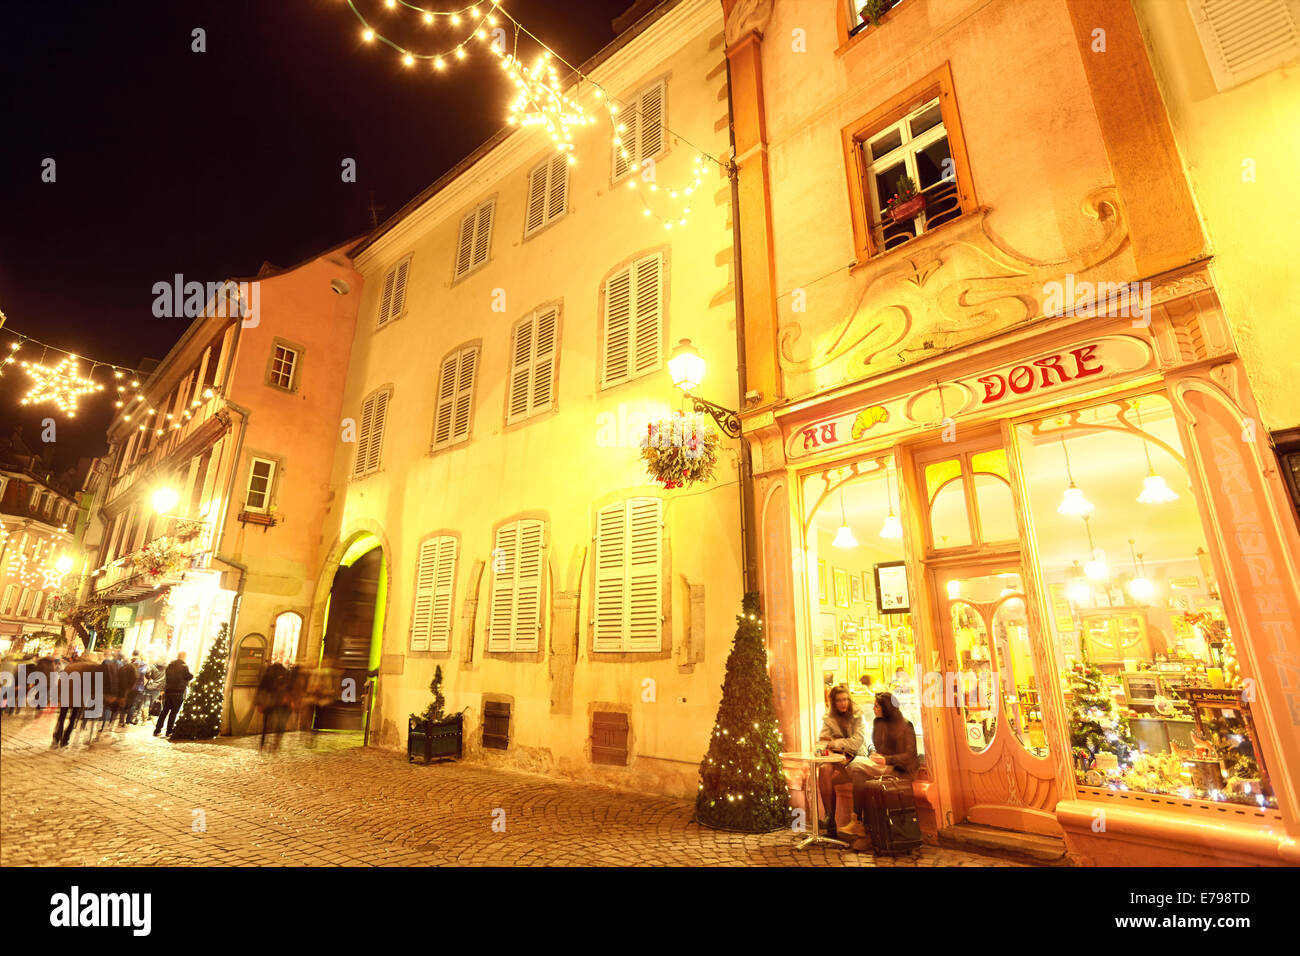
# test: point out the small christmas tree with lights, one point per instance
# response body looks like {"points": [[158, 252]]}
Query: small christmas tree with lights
{"points": [[1096, 726], [200, 716], [742, 781]]}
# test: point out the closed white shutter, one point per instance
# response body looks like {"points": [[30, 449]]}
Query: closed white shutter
{"points": [[650, 131], [377, 433], [1244, 39], [424, 579], [392, 300], [465, 245], [528, 586], [647, 290], [483, 234], [443, 581], [504, 564], [386, 297], [557, 196], [629, 118], [544, 346], [610, 613], [363, 437], [464, 394], [644, 574], [521, 370], [446, 400], [618, 327], [537, 198]]}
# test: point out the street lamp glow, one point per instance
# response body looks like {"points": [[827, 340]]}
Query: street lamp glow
{"points": [[164, 500], [64, 564], [686, 366]]}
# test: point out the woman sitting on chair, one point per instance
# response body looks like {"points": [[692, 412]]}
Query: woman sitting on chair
{"points": [[843, 731]]}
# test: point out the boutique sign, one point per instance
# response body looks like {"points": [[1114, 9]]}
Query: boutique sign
{"points": [[943, 404]]}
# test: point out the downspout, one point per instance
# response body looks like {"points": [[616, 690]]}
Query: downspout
{"points": [[748, 562], [244, 414]]}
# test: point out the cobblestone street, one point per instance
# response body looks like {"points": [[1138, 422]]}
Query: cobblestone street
{"points": [[132, 799]]}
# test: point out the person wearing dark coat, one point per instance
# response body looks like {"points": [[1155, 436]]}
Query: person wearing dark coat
{"points": [[112, 668], [177, 679]]}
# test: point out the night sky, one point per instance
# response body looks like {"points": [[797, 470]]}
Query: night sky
{"points": [[209, 164]]}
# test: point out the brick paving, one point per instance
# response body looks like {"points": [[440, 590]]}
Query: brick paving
{"points": [[132, 799]]}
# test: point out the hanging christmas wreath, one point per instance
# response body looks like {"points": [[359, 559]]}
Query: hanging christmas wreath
{"points": [[158, 559], [680, 450]]}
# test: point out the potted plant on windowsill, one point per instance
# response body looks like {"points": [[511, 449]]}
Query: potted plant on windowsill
{"points": [[871, 10], [907, 203], [433, 735]]}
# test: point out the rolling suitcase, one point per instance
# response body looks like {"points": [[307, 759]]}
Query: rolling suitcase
{"points": [[890, 813]]}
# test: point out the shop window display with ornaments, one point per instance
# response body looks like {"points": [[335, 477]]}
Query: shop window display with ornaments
{"points": [[1150, 673]]}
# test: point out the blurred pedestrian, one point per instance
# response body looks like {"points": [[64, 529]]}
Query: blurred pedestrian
{"points": [[175, 681], [80, 699], [273, 700]]}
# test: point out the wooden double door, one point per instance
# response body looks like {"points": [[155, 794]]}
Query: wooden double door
{"points": [[347, 639]]}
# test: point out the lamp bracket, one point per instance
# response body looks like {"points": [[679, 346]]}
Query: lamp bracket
{"points": [[727, 420]]}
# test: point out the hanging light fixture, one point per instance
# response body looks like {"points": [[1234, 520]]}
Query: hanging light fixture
{"points": [[1140, 586], [1074, 504], [892, 528], [1097, 569], [844, 537], [1155, 490], [1079, 590]]}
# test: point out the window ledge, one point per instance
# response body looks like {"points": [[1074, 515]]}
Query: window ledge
{"points": [[920, 242]]}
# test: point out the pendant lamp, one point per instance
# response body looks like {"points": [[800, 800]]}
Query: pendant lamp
{"points": [[1074, 504], [892, 528], [1155, 490], [844, 537]]}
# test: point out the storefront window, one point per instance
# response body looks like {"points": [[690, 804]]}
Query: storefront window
{"points": [[860, 598], [1149, 664]]}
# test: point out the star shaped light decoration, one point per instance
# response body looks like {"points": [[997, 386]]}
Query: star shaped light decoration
{"points": [[53, 577], [62, 385]]}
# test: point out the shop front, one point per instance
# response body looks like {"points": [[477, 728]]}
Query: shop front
{"points": [[187, 616], [1066, 554]]}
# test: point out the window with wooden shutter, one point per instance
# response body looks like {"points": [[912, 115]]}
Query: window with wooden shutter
{"points": [[434, 581], [475, 238], [628, 602], [455, 400], [370, 437], [633, 321], [532, 364], [518, 564], [643, 135], [548, 190], [1243, 39], [392, 298]]}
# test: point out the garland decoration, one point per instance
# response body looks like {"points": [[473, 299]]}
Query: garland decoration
{"points": [[680, 450]]}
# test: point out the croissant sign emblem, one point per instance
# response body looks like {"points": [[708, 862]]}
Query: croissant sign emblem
{"points": [[867, 418]]}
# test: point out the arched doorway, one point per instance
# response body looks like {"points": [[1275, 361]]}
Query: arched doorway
{"points": [[354, 619]]}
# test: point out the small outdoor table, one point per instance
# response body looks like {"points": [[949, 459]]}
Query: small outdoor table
{"points": [[813, 759]]}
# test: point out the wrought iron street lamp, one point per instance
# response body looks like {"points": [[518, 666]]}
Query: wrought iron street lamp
{"points": [[686, 366]]}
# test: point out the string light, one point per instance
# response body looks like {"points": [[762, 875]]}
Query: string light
{"points": [[62, 385]]}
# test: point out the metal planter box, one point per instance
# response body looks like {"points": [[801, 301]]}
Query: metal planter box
{"points": [[435, 741]]}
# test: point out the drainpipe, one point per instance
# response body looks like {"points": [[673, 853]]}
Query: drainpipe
{"points": [[244, 414], [748, 554]]}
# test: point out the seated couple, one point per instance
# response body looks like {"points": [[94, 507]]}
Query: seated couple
{"points": [[892, 751]]}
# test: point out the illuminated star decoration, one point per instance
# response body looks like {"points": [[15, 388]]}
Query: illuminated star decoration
{"points": [[61, 385], [53, 577]]}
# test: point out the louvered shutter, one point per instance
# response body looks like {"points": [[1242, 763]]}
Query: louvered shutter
{"points": [[538, 195], [363, 438], [483, 234], [386, 297], [504, 565], [465, 246], [644, 573], [521, 370], [528, 585], [464, 394], [377, 432], [403, 271], [618, 327], [424, 584], [446, 400], [1244, 39], [443, 580], [648, 294], [610, 615], [558, 195], [628, 116], [544, 344], [650, 131]]}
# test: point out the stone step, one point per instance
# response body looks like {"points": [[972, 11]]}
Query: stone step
{"points": [[1030, 847]]}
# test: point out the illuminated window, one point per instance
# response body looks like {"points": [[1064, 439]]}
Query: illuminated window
{"points": [[288, 628]]}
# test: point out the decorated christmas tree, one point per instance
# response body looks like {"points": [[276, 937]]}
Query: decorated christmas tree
{"points": [[742, 782], [1096, 726], [200, 716]]}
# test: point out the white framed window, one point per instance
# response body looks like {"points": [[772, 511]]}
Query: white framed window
{"points": [[35, 503], [1243, 39], [435, 579], [642, 136], [11, 595], [455, 405], [370, 440], [548, 193], [4, 483], [518, 560], [627, 613], [475, 238], [23, 602], [856, 22], [288, 628], [49, 504], [532, 364], [392, 297], [634, 310], [261, 476], [916, 146], [284, 367], [37, 598]]}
